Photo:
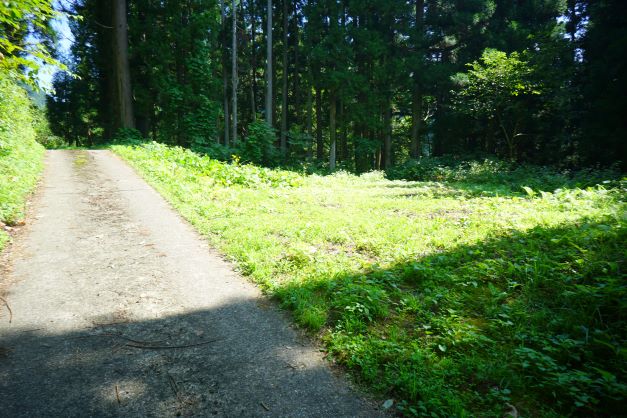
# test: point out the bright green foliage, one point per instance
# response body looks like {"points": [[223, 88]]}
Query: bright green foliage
{"points": [[498, 88], [450, 298], [17, 20], [20, 154], [203, 170]]}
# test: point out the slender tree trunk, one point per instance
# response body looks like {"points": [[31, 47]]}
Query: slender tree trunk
{"points": [[332, 133], [309, 123], [343, 154], [269, 65], [274, 83], [296, 93], [253, 63], [416, 122], [319, 142], [234, 79], [123, 72], [225, 77], [416, 119], [285, 79], [387, 136]]}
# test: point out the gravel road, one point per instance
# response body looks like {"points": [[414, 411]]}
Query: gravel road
{"points": [[120, 309]]}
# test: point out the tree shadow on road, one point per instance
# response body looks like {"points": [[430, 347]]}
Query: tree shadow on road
{"points": [[224, 365]]}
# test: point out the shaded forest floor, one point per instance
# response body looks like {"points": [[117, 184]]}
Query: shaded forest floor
{"points": [[455, 298]]}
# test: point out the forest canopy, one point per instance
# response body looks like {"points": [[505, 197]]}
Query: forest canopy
{"points": [[358, 85]]}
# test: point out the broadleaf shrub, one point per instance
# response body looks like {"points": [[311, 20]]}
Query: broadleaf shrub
{"points": [[258, 146], [20, 155]]}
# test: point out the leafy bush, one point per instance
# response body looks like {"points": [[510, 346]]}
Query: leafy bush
{"points": [[258, 146], [20, 154], [43, 133], [215, 150], [127, 136], [300, 145], [498, 88]]}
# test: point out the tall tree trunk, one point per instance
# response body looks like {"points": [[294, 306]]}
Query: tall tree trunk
{"points": [[269, 100], [416, 119], [285, 79], [296, 94], [416, 122], [225, 76], [122, 69], [342, 122], [387, 136], [309, 123], [274, 83], [234, 79], [332, 133], [253, 63], [319, 142]]}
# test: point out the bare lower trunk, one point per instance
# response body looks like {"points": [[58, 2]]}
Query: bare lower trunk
{"points": [[387, 136], [225, 77], [269, 65], [253, 64], [122, 69], [416, 117], [332, 136], [416, 122], [234, 79], [319, 143], [309, 123], [284, 86]]}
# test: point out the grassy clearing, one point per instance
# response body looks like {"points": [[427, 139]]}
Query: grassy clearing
{"points": [[454, 299], [21, 156]]}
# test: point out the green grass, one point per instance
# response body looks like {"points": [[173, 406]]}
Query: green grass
{"points": [[21, 156], [454, 299]]}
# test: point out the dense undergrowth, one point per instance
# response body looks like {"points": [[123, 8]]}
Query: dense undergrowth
{"points": [[491, 176], [472, 296], [21, 155]]}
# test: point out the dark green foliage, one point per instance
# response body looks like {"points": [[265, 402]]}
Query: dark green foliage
{"points": [[500, 176], [604, 87], [258, 148], [172, 57], [127, 136], [545, 83]]}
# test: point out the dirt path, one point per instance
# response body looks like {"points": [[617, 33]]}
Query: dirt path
{"points": [[108, 279]]}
